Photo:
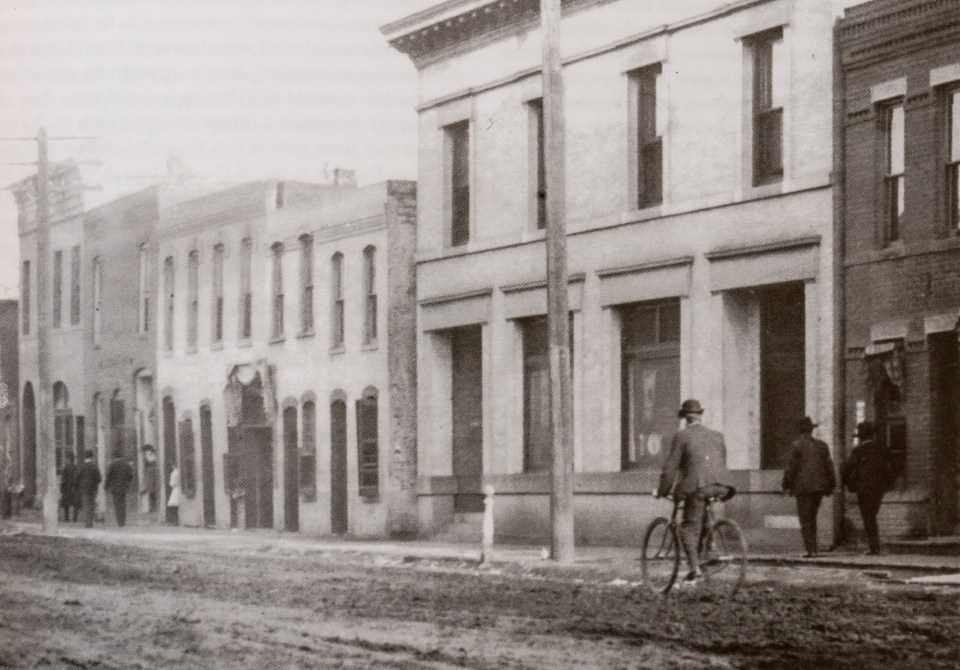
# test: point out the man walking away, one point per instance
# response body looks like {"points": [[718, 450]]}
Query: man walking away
{"points": [[119, 476], [697, 460], [88, 480], [151, 477], [868, 474], [69, 493], [809, 476]]}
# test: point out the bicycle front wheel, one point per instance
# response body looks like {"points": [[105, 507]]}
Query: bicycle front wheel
{"points": [[724, 558], [660, 560]]}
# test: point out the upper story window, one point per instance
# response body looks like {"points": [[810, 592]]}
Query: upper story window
{"points": [[193, 293], [370, 295], [276, 259], [57, 288], [336, 297], [246, 293], [97, 300], [143, 309], [538, 173], [217, 318], [168, 297], [953, 160], [646, 84], [458, 141], [894, 146], [769, 73], [306, 284], [25, 297], [75, 285]]}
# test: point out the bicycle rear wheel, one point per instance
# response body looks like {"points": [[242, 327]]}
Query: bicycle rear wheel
{"points": [[660, 560], [723, 558]]}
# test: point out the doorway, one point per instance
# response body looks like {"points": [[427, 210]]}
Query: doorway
{"points": [[257, 477], [467, 412], [206, 467], [945, 431], [291, 476], [782, 370], [169, 452], [29, 445], [338, 467]]}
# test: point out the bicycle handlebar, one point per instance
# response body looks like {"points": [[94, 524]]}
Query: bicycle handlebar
{"points": [[715, 492]]}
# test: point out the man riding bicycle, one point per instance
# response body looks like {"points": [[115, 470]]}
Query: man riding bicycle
{"points": [[696, 463]]}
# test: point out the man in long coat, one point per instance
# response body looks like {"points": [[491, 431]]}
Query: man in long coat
{"points": [[119, 476], [809, 476], [868, 472], [69, 491], [88, 481], [696, 461]]}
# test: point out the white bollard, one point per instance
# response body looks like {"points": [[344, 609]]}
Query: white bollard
{"points": [[486, 552]]}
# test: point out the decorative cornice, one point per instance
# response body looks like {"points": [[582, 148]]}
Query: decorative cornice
{"points": [[645, 267], [453, 297], [767, 247], [532, 285]]}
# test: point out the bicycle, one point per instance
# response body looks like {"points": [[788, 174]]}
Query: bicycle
{"points": [[722, 549]]}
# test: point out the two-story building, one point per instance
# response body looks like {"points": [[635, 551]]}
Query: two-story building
{"points": [[699, 218], [285, 371], [899, 122]]}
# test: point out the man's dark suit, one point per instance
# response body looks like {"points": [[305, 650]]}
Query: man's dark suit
{"points": [[697, 458], [869, 466], [809, 476]]}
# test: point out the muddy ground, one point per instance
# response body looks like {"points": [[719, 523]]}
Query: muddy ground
{"points": [[74, 603]]}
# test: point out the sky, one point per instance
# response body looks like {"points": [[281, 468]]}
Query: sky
{"points": [[236, 90]]}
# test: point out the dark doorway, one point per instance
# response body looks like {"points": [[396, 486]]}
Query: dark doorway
{"points": [[206, 467], [29, 445], [257, 469], [169, 452], [945, 411], [782, 368], [291, 474], [467, 408], [338, 467]]}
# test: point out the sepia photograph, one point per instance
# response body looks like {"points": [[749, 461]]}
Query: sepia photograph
{"points": [[534, 334]]}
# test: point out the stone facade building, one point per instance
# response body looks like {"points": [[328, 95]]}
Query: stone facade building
{"points": [[699, 217], [10, 459], [899, 91], [285, 372]]}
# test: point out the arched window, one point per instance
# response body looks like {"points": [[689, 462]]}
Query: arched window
{"points": [[168, 296], [368, 445], [370, 295], [306, 284], [336, 297], [188, 468], [62, 423], [308, 450], [277, 259]]}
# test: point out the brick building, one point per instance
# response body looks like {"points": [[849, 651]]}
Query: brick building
{"points": [[285, 370], [68, 319], [899, 89], [10, 460], [699, 212]]}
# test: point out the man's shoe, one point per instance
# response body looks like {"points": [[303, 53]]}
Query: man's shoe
{"points": [[691, 580]]}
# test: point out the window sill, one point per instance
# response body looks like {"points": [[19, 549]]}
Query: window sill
{"points": [[216, 346], [645, 214], [336, 351], [305, 333], [277, 339], [763, 190], [370, 346], [245, 343]]}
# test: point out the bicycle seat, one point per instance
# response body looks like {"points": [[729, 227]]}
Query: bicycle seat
{"points": [[716, 492]]}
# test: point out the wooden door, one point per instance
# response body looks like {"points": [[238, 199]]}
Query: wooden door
{"points": [[291, 471], [945, 429], [206, 468], [338, 467], [257, 475], [467, 419]]}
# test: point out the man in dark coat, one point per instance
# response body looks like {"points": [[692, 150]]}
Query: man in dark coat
{"points": [[696, 461], [867, 472], [88, 480], [809, 476], [69, 493], [119, 476]]}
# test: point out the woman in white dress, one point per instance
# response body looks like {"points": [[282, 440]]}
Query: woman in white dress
{"points": [[173, 502]]}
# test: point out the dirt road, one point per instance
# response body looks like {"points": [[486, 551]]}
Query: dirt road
{"points": [[78, 604]]}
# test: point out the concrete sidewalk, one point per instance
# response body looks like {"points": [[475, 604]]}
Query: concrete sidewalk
{"points": [[265, 541]]}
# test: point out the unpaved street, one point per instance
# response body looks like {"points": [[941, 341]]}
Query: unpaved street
{"points": [[74, 603]]}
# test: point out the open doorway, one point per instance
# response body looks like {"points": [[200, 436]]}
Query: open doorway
{"points": [[945, 429], [467, 413]]}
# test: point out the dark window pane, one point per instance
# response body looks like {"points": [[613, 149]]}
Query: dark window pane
{"points": [[669, 322], [459, 134], [368, 465], [639, 326]]}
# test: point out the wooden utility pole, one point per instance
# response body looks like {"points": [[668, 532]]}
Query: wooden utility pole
{"points": [[48, 464], [558, 313]]}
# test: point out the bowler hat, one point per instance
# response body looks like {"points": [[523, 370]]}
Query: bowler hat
{"points": [[690, 406], [806, 424], [866, 429]]}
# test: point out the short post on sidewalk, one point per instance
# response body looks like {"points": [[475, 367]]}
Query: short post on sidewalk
{"points": [[486, 553]]}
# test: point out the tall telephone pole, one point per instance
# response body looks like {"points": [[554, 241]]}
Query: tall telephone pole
{"points": [[558, 312]]}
